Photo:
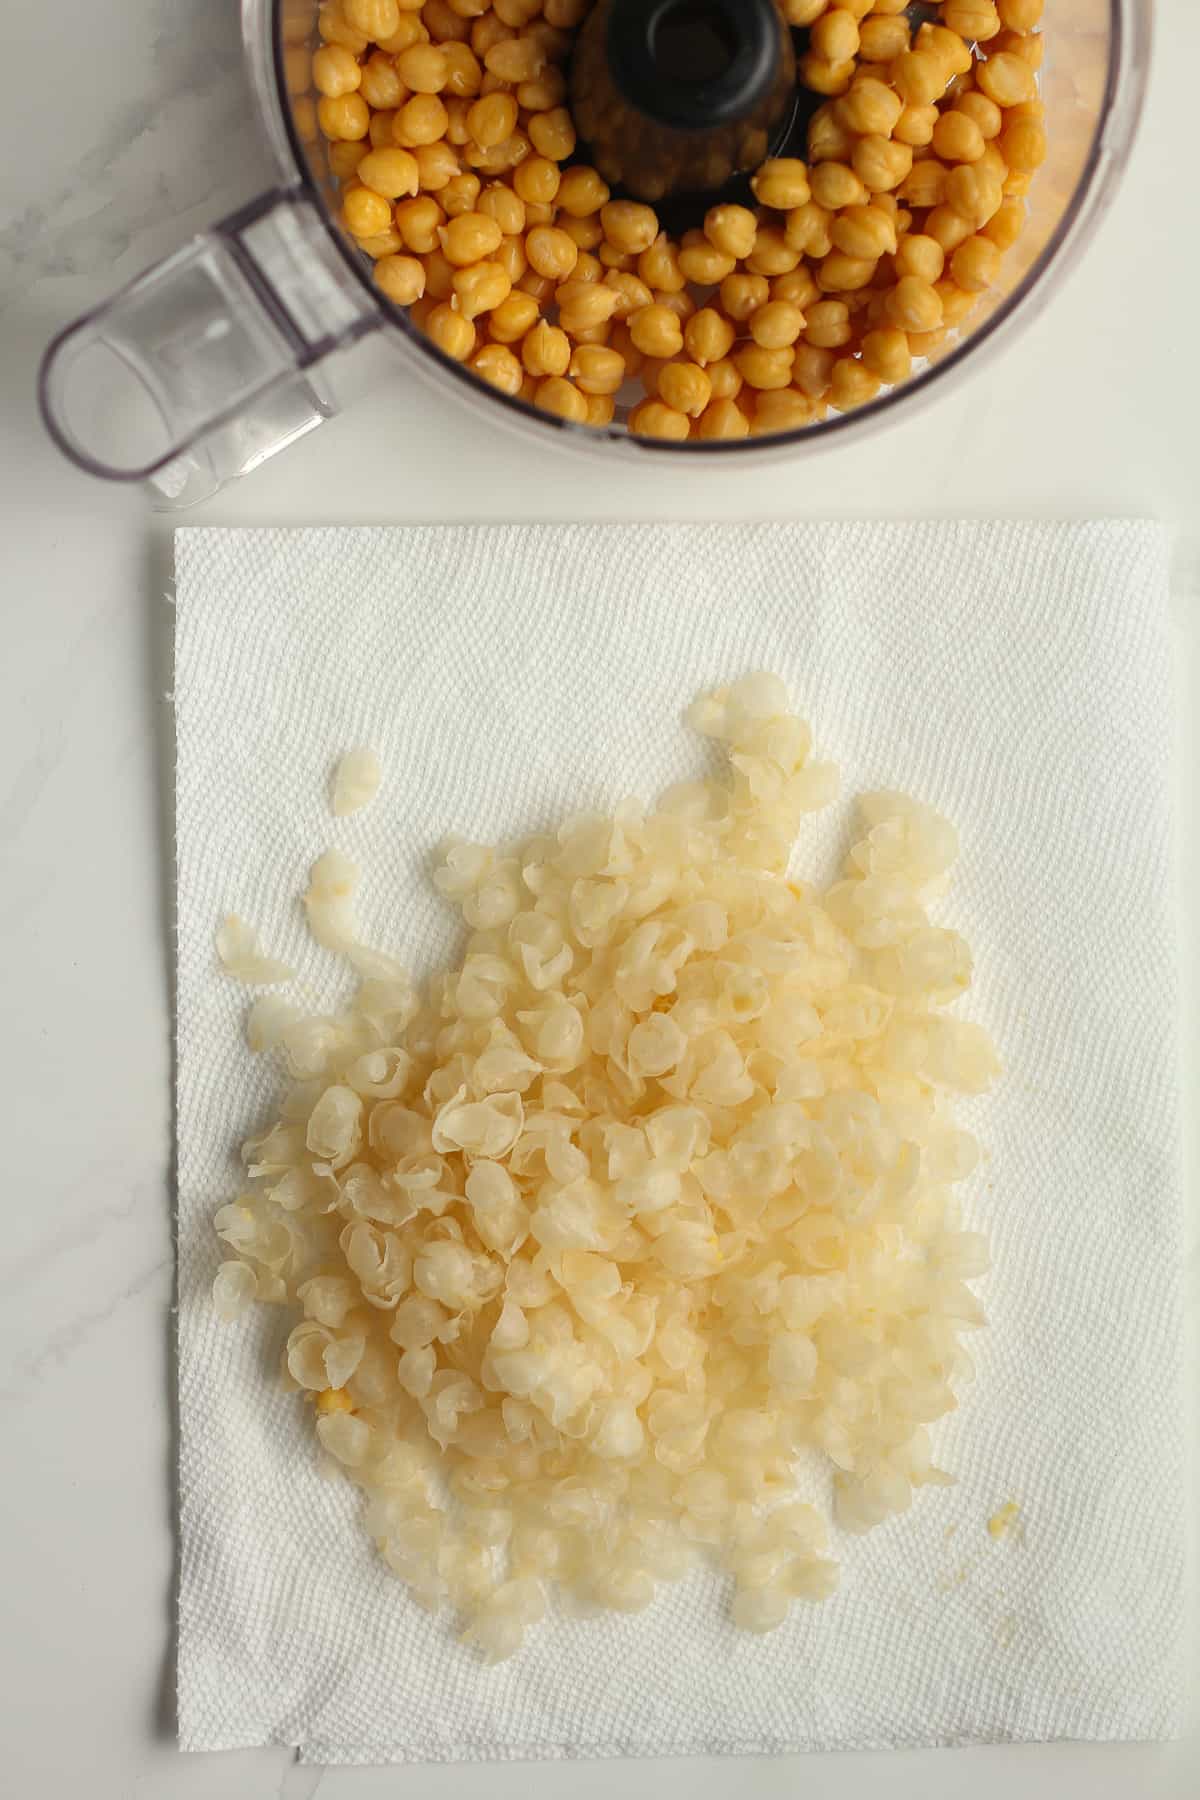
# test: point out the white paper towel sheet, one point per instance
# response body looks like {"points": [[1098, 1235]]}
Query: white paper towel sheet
{"points": [[1016, 676]]}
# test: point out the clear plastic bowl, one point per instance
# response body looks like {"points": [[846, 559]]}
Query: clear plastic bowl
{"points": [[207, 364]]}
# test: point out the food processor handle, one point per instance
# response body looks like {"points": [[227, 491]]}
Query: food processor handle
{"points": [[202, 367]]}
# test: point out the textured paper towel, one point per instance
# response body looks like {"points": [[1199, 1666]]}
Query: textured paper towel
{"points": [[1014, 675]]}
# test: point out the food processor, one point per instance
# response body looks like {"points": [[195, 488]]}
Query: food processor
{"points": [[209, 362]]}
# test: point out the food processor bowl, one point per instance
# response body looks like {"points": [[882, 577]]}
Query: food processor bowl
{"points": [[209, 362]]}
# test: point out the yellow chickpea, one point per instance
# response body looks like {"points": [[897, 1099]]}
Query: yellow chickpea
{"points": [[423, 68], [492, 119], [974, 20], [631, 291], [453, 335], [982, 112], [628, 226], [975, 265], [379, 132], [656, 331], [417, 222], [731, 230], [366, 213], [742, 293], [798, 286], [421, 120], [685, 386], [513, 318], [881, 164], [498, 367], [346, 116], [464, 73], [957, 138], [926, 186], [582, 193], [381, 86], [335, 28], [827, 325], [1006, 79], [760, 368], [469, 238], [870, 108], [773, 252], [1006, 224], [460, 195], [866, 232], [701, 261], [1023, 146], [918, 77], [411, 30], [783, 409], [885, 353], [552, 134], [499, 202], [807, 227], [722, 419], [561, 397], [1020, 15], [544, 93], [439, 276], [481, 288], [828, 139], [653, 419], [917, 254], [512, 259], [841, 274], [345, 158], [537, 181], [374, 18], [882, 39], [851, 384], [781, 183], [777, 325], [437, 165], [726, 380], [1031, 48], [834, 36], [659, 266], [812, 369], [707, 336], [546, 350], [596, 369], [335, 72], [601, 409], [915, 126], [551, 252], [585, 234], [947, 227], [515, 59], [401, 278], [821, 77], [914, 305], [973, 192], [835, 185], [589, 303]]}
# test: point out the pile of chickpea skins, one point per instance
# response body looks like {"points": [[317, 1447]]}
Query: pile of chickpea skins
{"points": [[449, 129]]}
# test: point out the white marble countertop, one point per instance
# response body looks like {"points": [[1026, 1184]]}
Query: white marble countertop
{"points": [[125, 128]]}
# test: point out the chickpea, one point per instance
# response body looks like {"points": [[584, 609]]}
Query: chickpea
{"points": [[731, 230], [761, 368], [481, 288], [423, 68], [492, 119], [1020, 15], [513, 318], [1006, 79], [915, 126], [918, 77], [381, 87], [417, 222], [499, 367], [439, 276], [515, 59], [464, 74], [453, 335], [781, 183], [852, 384], [544, 93], [828, 139], [401, 278], [841, 274], [957, 138], [926, 186], [437, 165], [335, 72], [500, 203], [866, 232], [552, 134], [628, 226], [684, 386], [379, 131], [374, 18], [537, 285], [656, 331], [871, 108], [919, 255], [827, 325], [777, 325], [982, 112], [559, 396], [974, 20], [812, 369], [582, 305], [807, 228], [773, 253], [1006, 224], [700, 260], [460, 195], [659, 266], [597, 370], [742, 294], [1017, 186], [585, 234], [546, 350], [551, 252], [620, 340], [882, 39], [803, 12], [973, 192], [335, 28], [421, 120], [443, 24], [365, 212], [886, 354], [707, 337], [975, 264], [913, 305], [798, 286], [384, 243], [631, 291], [881, 164], [782, 409], [600, 409], [822, 77], [487, 30], [834, 37], [565, 15], [411, 30], [653, 419], [512, 259], [581, 192], [344, 117], [726, 379], [1031, 49], [722, 418], [469, 238], [947, 227], [835, 185], [537, 182], [1023, 146]]}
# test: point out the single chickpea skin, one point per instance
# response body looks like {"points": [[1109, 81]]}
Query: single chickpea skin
{"points": [[392, 173], [551, 252], [781, 183], [685, 387], [777, 325], [656, 331], [401, 278], [595, 369], [707, 336], [629, 226], [732, 229], [453, 335], [499, 367], [469, 238]]}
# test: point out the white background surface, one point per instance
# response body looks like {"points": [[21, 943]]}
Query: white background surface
{"points": [[124, 129]]}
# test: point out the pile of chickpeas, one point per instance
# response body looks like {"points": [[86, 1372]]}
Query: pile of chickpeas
{"points": [[450, 136]]}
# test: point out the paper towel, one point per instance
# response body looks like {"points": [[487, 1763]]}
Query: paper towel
{"points": [[1016, 676]]}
